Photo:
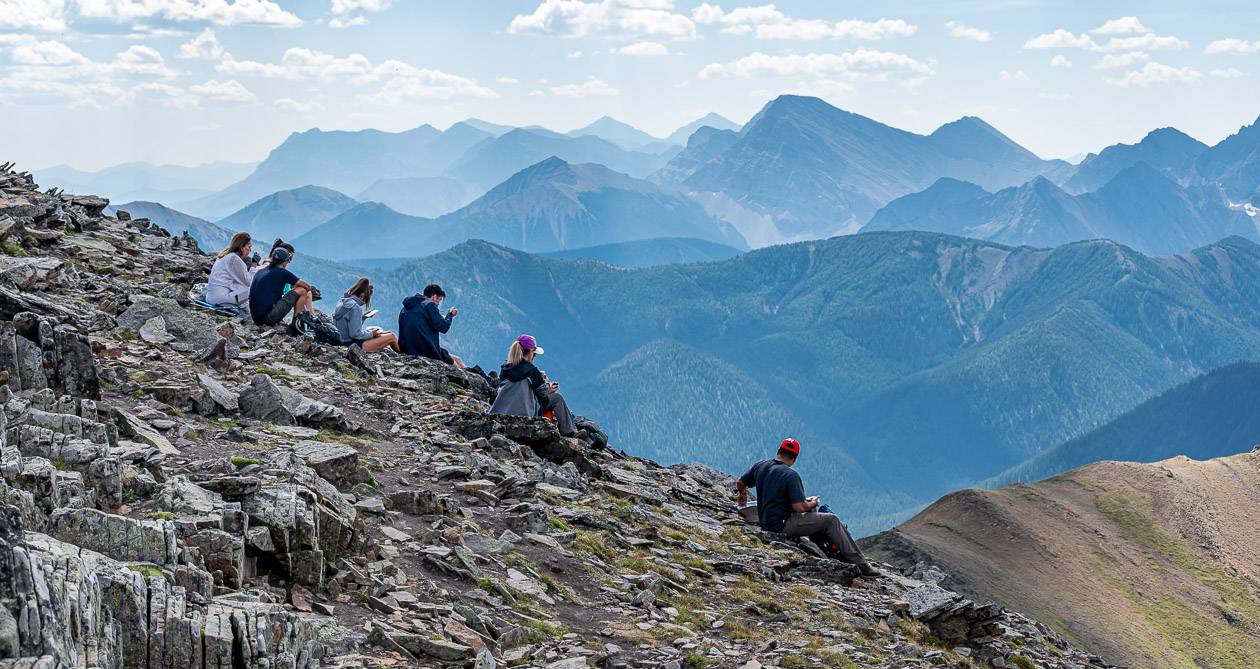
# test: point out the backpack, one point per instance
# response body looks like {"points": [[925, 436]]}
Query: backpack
{"points": [[597, 437], [320, 327]]}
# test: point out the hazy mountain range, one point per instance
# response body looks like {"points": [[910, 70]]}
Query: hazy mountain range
{"points": [[549, 206], [922, 362], [144, 181], [208, 235]]}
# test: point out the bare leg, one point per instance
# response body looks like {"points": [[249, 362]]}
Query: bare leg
{"points": [[383, 341], [457, 361]]}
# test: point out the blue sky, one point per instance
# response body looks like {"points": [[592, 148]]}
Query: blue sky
{"points": [[98, 82]]}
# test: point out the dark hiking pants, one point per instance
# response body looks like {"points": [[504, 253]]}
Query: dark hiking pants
{"points": [[825, 527]]}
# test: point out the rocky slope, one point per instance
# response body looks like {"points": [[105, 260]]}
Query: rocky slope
{"points": [[1155, 565], [179, 490]]}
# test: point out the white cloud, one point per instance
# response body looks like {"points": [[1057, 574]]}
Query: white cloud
{"points": [[1227, 73], [339, 22], [204, 46], [1156, 73], [50, 71], [398, 81], [859, 64], [227, 92], [1060, 39], [1017, 75], [42, 15], [1148, 42], [537, 94], [32, 52], [1113, 61], [402, 82], [962, 31], [1051, 95], [1060, 60], [647, 49], [343, 7], [606, 18], [291, 105], [164, 94], [593, 86], [506, 80], [573, 54], [218, 12], [1125, 25], [1063, 39], [1233, 45], [767, 22]]}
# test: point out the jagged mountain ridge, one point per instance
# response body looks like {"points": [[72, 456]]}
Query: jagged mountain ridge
{"points": [[344, 161], [549, 206], [818, 170], [1166, 149], [1154, 564], [1140, 207], [494, 160], [183, 490]]}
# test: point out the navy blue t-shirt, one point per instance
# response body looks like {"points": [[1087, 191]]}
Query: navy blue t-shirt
{"points": [[267, 288], [778, 488]]}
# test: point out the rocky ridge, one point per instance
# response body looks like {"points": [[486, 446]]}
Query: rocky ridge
{"points": [[183, 490]]}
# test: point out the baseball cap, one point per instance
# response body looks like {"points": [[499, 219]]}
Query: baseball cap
{"points": [[791, 445], [280, 254], [528, 343]]}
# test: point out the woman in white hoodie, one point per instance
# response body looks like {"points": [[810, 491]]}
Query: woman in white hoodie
{"points": [[349, 316], [230, 276]]}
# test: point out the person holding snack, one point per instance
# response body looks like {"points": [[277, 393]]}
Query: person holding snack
{"points": [[525, 391]]}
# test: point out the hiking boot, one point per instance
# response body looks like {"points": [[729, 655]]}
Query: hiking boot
{"points": [[865, 569]]}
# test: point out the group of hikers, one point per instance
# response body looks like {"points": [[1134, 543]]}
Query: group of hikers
{"points": [[240, 279]]}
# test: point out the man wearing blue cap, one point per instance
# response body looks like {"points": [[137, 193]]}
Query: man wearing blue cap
{"points": [[269, 303], [782, 507]]}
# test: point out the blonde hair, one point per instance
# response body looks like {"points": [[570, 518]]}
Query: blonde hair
{"points": [[239, 240], [516, 353]]}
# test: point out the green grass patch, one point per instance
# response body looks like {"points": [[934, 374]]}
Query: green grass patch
{"points": [[240, 462], [162, 515], [146, 570], [275, 372]]}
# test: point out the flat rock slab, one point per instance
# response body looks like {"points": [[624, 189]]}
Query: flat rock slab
{"points": [[929, 599], [334, 462]]}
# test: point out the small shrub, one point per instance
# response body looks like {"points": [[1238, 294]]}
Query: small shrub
{"points": [[241, 462]]}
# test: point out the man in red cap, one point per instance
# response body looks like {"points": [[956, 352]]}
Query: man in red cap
{"points": [[783, 507]]}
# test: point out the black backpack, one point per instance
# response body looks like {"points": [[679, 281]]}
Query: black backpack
{"points": [[597, 437], [320, 327]]}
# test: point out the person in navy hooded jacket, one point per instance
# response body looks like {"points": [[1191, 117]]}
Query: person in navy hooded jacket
{"points": [[421, 324]]}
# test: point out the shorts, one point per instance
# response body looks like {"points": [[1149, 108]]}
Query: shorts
{"points": [[280, 309]]}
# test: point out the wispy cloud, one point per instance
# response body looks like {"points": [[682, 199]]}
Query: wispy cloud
{"points": [[645, 49], [1152, 74], [1125, 25], [1234, 46], [963, 31], [859, 64], [608, 18], [767, 22], [593, 86]]}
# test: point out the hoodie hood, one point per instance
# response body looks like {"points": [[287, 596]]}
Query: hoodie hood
{"points": [[345, 305], [413, 302], [518, 372]]}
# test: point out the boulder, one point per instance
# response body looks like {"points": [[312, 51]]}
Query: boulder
{"points": [[262, 400], [334, 462], [189, 330], [223, 398]]}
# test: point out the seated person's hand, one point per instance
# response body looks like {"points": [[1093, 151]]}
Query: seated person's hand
{"points": [[553, 387], [454, 311], [742, 499]]}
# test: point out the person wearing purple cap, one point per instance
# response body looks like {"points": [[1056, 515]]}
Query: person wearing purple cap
{"points": [[524, 391]]}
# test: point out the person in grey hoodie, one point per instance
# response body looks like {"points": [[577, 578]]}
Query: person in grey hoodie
{"points": [[349, 316], [524, 391]]}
